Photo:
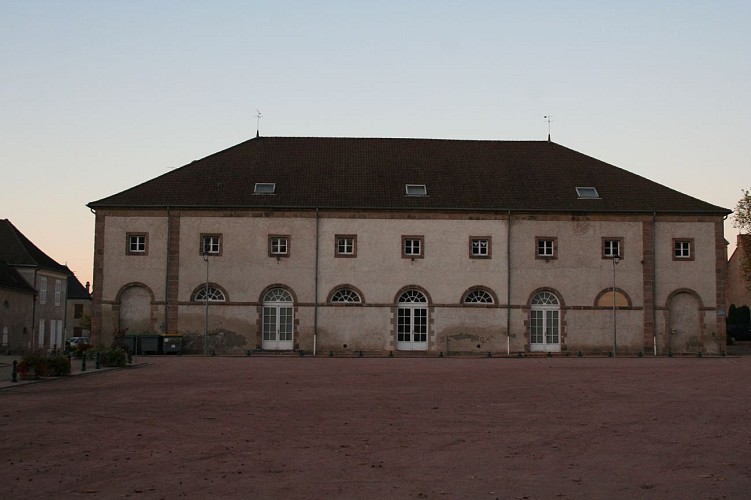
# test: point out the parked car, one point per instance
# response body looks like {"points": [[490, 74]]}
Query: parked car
{"points": [[77, 343]]}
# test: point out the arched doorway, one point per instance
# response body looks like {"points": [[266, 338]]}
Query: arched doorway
{"points": [[684, 322], [278, 320], [412, 321], [544, 323], [135, 310]]}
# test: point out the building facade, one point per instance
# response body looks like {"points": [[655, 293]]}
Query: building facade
{"points": [[34, 317], [391, 245]]}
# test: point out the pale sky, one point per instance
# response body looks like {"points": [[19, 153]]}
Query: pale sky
{"points": [[98, 96]]}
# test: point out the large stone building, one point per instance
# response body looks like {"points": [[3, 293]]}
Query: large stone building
{"points": [[336, 244], [738, 289]]}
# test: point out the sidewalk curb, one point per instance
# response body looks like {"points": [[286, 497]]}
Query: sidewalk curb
{"points": [[21, 383]]}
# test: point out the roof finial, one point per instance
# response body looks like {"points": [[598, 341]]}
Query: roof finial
{"points": [[258, 123], [548, 117]]}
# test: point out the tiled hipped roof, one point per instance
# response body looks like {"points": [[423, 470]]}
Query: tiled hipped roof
{"points": [[16, 249], [351, 173]]}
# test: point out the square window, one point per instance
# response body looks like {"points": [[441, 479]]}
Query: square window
{"points": [[346, 245], [479, 247], [279, 246], [137, 243], [683, 249], [211, 244], [547, 248], [412, 247], [612, 247]]}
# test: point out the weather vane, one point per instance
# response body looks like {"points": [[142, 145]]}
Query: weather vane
{"points": [[258, 122], [548, 117]]}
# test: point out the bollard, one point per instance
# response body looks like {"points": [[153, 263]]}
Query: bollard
{"points": [[14, 374], [302, 353], [83, 362], [520, 355], [579, 354], [640, 354], [360, 355], [670, 354], [247, 353], [97, 364], [391, 354], [489, 354], [331, 354], [698, 354], [440, 354], [610, 354]]}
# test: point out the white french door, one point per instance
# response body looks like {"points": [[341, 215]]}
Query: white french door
{"points": [[412, 322], [545, 324], [278, 321]]}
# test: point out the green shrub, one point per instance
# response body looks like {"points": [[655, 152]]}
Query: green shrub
{"points": [[38, 364], [111, 356]]}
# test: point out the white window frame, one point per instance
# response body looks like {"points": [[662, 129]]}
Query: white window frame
{"points": [[607, 248], [211, 244], [546, 247], [413, 247], [137, 243], [43, 290], [346, 245], [479, 247], [279, 245], [58, 291]]}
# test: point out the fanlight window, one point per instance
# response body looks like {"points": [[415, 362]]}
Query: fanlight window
{"points": [[346, 295], [214, 295], [545, 299], [478, 297], [277, 295], [411, 296]]}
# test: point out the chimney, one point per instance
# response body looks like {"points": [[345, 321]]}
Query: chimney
{"points": [[88, 285]]}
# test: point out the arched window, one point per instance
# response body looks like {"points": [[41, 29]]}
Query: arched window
{"points": [[478, 296], [545, 299], [277, 295], [412, 296], [214, 294], [347, 296]]}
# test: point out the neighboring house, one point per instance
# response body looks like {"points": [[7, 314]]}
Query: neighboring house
{"points": [[337, 244], [16, 310], [78, 313], [739, 290], [46, 278]]}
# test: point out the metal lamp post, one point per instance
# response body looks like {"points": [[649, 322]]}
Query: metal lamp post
{"points": [[616, 260], [206, 299]]}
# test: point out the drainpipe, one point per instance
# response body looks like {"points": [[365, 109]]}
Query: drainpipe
{"points": [[654, 282], [508, 284], [315, 316], [166, 278]]}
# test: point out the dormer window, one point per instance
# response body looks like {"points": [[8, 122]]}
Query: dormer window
{"points": [[264, 188], [587, 193], [416, 190]]}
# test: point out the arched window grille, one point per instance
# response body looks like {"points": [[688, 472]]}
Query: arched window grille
{"points": [[545, 299], [346, 295], [411, 296], [478, 296], [214, 294]]}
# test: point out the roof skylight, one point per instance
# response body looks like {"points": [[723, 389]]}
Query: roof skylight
{"points": [[587, 193], [264, 188], [416, 190]]}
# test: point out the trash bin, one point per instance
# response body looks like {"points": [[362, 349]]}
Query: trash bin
{"points": [[149, 344], [131, 343], [172, 344]]}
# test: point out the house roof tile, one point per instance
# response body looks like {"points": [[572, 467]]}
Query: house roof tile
{"points": [[362, 173]]}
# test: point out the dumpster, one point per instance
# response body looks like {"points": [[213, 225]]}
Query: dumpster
{"points": [[149, 344], [172, 344], [131, 343]]}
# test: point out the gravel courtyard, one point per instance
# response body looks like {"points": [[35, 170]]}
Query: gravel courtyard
{"points": [[287, 427]]}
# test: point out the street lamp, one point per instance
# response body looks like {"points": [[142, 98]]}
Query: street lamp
{"points": [[206, 299], [616, 260]]}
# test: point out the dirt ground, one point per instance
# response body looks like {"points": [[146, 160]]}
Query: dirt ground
{"points": [[271, 427]]}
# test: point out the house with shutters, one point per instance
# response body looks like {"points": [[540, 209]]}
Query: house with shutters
{"points": [[33, 294], [391, 245]]}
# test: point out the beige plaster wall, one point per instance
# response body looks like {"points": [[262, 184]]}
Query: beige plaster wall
{"points": [[121, 268]]}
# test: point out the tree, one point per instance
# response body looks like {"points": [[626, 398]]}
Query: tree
{"points": [[742, 221]]}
